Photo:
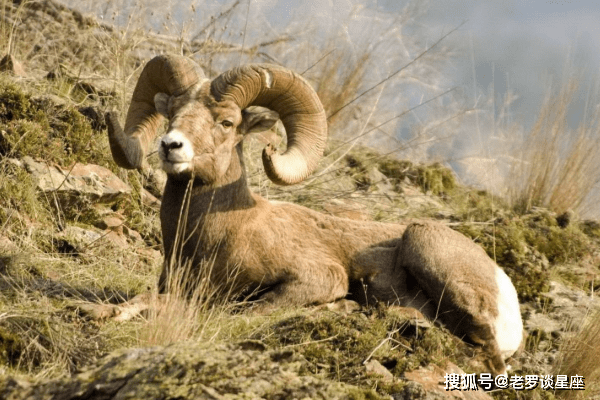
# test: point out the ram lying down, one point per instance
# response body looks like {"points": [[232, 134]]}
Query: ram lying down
{"points": [[296, 255]]}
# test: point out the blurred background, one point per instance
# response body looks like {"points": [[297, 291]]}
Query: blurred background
{"points": [[505, 92]]}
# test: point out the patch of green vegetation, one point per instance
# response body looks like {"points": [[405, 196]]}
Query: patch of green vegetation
{"points": [[143, 219], [435, 178], [19, 196], [535, 394], [337, 346], [591, 228], [477, 205], [529, 246], [43, 129]]}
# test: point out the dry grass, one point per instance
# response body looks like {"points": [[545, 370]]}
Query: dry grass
{"points": [[579, 356], [558, 165], [180, 315]]}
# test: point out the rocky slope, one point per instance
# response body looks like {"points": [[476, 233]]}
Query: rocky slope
{"points": [[75, 229]]}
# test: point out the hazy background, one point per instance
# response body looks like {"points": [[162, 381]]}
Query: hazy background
{"points": [[501, 64]]}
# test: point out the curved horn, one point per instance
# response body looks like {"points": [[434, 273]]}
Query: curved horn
{"points": [[167, 74], [299, 108]]}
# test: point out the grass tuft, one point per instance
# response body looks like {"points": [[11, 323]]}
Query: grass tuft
{"points": [[579, 356], [558, 166]]}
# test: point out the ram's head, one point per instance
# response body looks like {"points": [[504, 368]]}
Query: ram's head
{"points": [[208, 119]]}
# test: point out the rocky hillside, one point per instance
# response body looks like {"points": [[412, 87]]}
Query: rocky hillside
{"points": [[75, 229]]}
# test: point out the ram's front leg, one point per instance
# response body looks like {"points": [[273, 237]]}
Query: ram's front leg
{"points": [[306, 287]]}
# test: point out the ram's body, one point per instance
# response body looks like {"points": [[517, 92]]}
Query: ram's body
{"points": [[306, 256], [297, 255]]}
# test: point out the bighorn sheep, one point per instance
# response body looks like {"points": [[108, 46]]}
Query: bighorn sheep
{"points": [[301, 256]]}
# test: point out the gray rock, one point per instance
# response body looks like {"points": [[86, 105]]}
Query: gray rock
{"points": [[375, 367], [80, 184], [428, 383]]}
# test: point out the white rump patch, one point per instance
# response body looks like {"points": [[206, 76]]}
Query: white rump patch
{"points": [[268, 78], [178, 159], [509, 325]]}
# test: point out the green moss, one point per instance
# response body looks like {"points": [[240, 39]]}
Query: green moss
{"points": [[18, 192], [528, 247], [435, 179], [591, 229], [14, 103], [563, 244], [43, 129], [337, 346], [536, 394], [477, 205]]}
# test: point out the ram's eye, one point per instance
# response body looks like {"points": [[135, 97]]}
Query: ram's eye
{"points": [[226, 123]]}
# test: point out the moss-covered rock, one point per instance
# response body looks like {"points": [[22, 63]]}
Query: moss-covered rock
{"points": [[337, 346], [433, 179], [529, 246], [44, 129], [193, 371]]}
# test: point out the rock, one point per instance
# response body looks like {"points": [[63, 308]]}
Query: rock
{"points": [[375, 367], [428, 383], [381, 182], [548, 326], [190, 371], [80, 235], [149, 200], [111, 222], [10, 64], [132, 235], [74, 240], [565, 305], [82, 183], [416, 200]]}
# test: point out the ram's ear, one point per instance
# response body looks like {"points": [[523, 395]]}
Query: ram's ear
{"points": [[257, 119], [161, 103]]}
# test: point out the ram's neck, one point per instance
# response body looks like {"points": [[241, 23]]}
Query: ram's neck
{"points": [[230, 192]]}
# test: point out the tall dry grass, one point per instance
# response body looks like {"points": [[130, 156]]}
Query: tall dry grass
{"points": [[558, 165], [579, 355], [191, 309]]}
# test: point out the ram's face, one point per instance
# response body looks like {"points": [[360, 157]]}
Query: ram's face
{"points": [[201, 135]]}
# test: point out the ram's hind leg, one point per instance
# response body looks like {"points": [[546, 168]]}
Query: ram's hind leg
{"points": [[464, 283], [376, 278]]}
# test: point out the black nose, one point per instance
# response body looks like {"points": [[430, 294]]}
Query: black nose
{"points": [[171, 145]]}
